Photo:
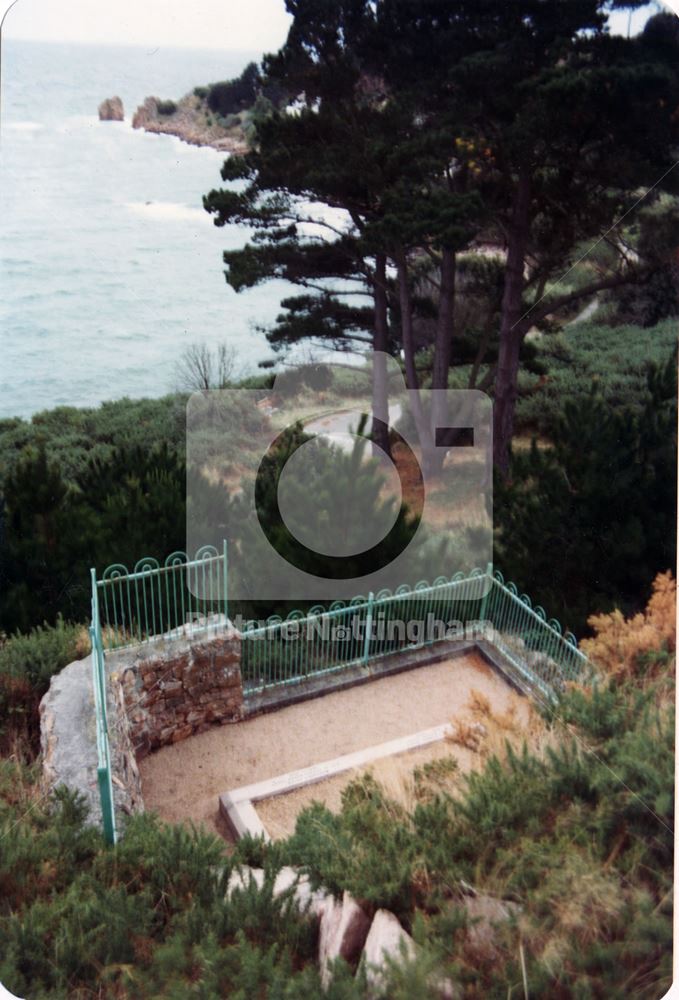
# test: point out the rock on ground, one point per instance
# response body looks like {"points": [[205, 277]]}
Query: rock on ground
{"points": [[67, 734], [485, 913], [342, 933], [287, 880], [386, 939]]}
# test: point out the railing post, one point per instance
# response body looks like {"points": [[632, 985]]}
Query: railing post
{"points": [[104, 777], [368, 627], [484, 600]]}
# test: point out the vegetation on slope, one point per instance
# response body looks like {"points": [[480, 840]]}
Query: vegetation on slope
{"points": [[575, 828]]}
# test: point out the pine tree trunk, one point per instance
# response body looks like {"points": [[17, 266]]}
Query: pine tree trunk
{"points": [[414, 399], [442, 350], [444, 322], [380, 386], [512, 330]]}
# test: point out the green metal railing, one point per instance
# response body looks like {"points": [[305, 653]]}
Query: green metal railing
{"points": [[541, 653], [478, 606], [104, 776], [180, 597]]}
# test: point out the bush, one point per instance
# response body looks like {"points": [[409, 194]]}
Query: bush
{"points": [[166, 107], [577, 831], [231, 96], [614, 360], [589, 522], [27, 662], [118, 509], [73, 436], [148, 918]]}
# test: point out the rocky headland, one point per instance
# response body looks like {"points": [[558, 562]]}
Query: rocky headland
{"points": [[192, 121]]}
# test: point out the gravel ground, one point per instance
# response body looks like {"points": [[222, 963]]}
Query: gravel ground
{"points": [[183, 781]]}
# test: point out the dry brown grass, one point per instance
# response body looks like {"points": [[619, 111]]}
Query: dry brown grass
{"points": [[487, 731]]}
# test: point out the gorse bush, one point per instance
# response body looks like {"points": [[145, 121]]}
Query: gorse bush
{"points": [[578, 833], [72, 437], [148, 918], [116, 510], [635, 645], [27, 662]]}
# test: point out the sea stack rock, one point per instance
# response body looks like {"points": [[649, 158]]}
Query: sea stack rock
{"points": [[111, 110]]}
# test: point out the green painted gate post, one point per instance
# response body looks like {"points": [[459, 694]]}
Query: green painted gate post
{"points": [[368, 627]]}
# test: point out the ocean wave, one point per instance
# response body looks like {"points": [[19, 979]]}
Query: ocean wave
{"points": [[167, 211], [26, 126]]}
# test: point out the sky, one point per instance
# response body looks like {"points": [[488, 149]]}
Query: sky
{"points": [[226, 24]]}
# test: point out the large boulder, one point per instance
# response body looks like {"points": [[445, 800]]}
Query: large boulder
{"points": [[386, 939], [342, 933], [111, 110], [485, 914]]}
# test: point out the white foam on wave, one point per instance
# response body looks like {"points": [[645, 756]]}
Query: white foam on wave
{"points": [[167, 211], [26, 126]]}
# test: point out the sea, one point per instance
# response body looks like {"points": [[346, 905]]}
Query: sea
{"points": [[109, 266]]}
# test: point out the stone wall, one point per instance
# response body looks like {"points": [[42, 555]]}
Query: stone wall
{"points": [[174, 688], [158, 693]]}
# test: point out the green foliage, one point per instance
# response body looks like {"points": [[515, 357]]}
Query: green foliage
{"points": [[580, 835], [26, 664], [231, 96], [320, 473], [589, 522], [369, 850], [614, 360], [117, 510], [148, 918], [72, 436], [166, 107], [656, 297]]}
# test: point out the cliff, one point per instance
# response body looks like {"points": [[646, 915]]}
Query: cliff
{"points": [[191, 120]]}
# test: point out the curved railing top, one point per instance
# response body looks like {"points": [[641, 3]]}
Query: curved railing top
{"points": [[149, 566]]}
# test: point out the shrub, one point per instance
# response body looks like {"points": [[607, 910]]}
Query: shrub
{"points": [[27, 662], [231, 96], [622, 646], [615, 360], [166, 107], [577, 831], [148, 918], [590, 521]]}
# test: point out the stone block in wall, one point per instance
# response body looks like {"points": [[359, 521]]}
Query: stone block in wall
{"points": [[174, 687]]}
